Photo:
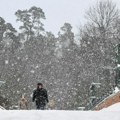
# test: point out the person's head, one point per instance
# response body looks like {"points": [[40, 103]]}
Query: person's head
{"points": [[39, 85]]}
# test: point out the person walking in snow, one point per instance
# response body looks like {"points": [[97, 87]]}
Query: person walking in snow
{"points": [[23, 103], [40, 97]]}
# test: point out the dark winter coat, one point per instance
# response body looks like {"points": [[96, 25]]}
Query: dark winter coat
{"points": [[40, 96]]}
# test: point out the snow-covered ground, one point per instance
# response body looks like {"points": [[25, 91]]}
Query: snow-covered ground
{"points": [[111, 113], [59, 115]]}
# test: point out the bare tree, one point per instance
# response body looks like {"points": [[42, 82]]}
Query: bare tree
{"points": [[103, 16]]}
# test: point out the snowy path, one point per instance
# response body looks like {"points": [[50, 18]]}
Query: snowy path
{"points": [[58, 115]]}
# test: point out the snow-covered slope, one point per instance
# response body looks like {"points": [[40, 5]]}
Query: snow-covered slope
{"points": [[58, 115], [114, 107], [1, 108]]}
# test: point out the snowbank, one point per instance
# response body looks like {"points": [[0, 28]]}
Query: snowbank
{"points": [[58, 115], [110, 113]]}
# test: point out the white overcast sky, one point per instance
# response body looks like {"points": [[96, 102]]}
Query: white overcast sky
{"points": [[57, 12]]}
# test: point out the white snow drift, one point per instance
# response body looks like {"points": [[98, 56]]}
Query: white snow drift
{"points": [[111, 113]]}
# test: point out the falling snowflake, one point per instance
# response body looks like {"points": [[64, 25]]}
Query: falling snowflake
{"points": [[6, 61]]}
